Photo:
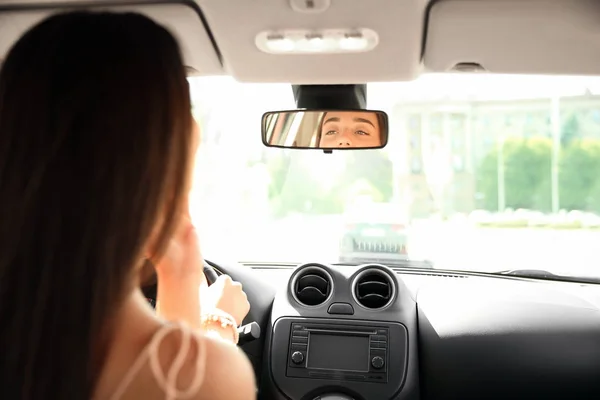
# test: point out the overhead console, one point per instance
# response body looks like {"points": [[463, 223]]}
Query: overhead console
{"points": [[342, 334], [397, 27]]}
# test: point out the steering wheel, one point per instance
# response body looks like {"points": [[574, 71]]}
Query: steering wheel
{"points": [[247, 332]]}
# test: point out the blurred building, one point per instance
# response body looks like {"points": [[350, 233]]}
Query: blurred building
{"points": [[442, 143]]}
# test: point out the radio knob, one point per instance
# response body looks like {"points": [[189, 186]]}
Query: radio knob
{"points": [[377, 362], [297, 357]]}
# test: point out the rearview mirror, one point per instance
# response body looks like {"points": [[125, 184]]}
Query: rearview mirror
{"points": [[325, 129]]}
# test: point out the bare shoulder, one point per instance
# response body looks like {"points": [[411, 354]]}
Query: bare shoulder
{"points": [[228, 372], [209, 369]]}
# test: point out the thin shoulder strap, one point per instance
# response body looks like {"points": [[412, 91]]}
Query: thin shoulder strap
{"points": [[168, 383]]}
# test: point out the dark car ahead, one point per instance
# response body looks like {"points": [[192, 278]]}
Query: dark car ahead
{"points": [[375, 232]]}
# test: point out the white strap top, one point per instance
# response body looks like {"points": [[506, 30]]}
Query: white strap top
{"points": [[168, 383]]}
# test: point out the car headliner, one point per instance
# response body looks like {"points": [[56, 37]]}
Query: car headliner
{"points": [[415, 36]]}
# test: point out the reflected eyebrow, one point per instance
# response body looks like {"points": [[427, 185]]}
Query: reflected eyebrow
{"points": [[336, 119], [366, 121]]}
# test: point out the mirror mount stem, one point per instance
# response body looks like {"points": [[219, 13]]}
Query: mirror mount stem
{"points": [[332, 97]]}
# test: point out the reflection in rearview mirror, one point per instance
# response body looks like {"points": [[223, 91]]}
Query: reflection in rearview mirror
{"points": [[323, 129]]}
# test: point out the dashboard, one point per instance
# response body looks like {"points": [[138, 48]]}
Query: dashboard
{"points": [[375, 333], [371, 332]]}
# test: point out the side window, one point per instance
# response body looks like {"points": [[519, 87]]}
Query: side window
{"points": [[415, 165], [458, 162], [414, 141]]}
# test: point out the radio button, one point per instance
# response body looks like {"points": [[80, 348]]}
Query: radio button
{"points": [[379, 338], [298, 347], [377, 362], [298, 357], [299, 339]]}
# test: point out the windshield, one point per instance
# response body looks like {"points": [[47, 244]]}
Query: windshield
{"points": [[481, 172]]}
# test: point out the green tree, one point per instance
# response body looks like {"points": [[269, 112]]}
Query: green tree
{"points": [[369, 166], [529, 174], [293, 190], [526, 174], [579, 177], [278, 167], [570, 130]]}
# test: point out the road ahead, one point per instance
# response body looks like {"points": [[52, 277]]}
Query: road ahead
{"points": [[449, 245]]}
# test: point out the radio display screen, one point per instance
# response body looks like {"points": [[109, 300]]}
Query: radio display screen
{"points": [[337, 352]]}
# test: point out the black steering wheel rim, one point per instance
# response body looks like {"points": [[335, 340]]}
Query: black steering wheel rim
{"points": [[149, 280]]}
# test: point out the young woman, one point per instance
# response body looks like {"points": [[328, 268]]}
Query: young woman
{"points": [[96, 149], [360, 129]]}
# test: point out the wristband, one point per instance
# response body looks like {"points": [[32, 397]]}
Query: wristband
{"points": [[222, 318]]}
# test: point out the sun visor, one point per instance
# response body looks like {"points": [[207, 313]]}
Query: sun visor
{"points": [[184, 21], [514, 36]]}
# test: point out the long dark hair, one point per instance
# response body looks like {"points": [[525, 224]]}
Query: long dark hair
{"points": [[95, 135]]}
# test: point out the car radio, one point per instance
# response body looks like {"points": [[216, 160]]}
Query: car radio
{"points": [[340, 352]]}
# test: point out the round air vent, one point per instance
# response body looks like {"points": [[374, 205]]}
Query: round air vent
{"points": [[312, 286], [373, 288]]}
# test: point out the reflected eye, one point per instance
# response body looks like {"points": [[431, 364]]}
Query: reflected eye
{"points": [[330, 133], [362, 133]]}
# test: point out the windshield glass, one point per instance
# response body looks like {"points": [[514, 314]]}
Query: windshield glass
{"points": [[481, 172]]}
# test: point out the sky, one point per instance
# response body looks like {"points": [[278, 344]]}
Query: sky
{"points": [[429, 87], [484, 87]]}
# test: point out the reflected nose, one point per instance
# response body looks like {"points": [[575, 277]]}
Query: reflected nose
{"points": [[344, 140]]}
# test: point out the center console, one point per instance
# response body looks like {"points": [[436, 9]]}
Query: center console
{"points": [[318, 349], [342, 350], [357, 353]]}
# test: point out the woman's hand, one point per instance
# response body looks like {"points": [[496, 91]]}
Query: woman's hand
{"points": [[180, 275], [226, 295], [183, 292], [182, 258]]}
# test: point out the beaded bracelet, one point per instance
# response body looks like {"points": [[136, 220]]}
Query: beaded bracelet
{"points": [[223, 319]]}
